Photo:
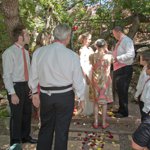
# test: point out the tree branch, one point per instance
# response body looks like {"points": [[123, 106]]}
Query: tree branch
{"points": [[145, 19], [74, 4], [134, 28]]}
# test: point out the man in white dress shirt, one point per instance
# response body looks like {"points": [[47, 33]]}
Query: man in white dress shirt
{"points": [[123, 58], [16, 63], [58, 71]]}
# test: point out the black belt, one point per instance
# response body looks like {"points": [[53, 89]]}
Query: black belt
{"points": [[21, 83], [55, 88]]}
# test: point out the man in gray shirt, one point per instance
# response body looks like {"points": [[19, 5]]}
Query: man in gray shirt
{"points": [[57, 69]]}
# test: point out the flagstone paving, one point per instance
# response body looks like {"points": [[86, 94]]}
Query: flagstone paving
{"points": [[82, 136], [79, 141]]}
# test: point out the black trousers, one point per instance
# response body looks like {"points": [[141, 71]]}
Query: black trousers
{"points": [[122, 79], [20, 120], [56, 113]]}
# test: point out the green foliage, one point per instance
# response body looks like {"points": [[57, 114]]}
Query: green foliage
{"points": [[135, 6], [4, 112], [35, 14], [3, 92]]}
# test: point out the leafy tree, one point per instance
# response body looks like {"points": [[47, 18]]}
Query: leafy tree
{"points": [[96, 16]]}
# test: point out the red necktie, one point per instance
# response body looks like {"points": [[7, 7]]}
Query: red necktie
{"points": [[26, 75]]}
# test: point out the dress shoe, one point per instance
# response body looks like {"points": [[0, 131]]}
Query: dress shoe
{"points": [[96, 126], [29, 140], [119, 115], [116, 111], [16, 146]]}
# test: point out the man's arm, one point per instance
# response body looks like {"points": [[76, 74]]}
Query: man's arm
{"points": [[8, 66], [79, 82], [128, 46], [34, 81], [33, 75]]}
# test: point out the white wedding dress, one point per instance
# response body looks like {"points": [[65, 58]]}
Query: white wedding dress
{"points": [[86, 67]]}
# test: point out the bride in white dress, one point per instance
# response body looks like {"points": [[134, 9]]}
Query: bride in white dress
{"points": [[85, 52]]}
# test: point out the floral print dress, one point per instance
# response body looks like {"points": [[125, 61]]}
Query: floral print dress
{"points": [[100, 82]]}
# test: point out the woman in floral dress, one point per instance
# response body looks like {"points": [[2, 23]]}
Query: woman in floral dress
{"points": [[100, 82]]}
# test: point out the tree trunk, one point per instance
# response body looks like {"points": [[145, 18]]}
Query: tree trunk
{"points": [[134, 28], [10, 10]]}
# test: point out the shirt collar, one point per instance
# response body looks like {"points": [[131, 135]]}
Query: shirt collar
{"points": [[122, 37], [59, 43], [18, 45]]}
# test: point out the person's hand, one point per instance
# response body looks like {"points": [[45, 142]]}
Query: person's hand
{"points": [[82, 104], [14, 99], [135, 98], [30, 94], [115, 60], [36, 100]]}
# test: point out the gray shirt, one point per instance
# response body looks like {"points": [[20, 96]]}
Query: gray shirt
{"points": [[141, 82], [13, 66], [56, 65], [125, 51]]}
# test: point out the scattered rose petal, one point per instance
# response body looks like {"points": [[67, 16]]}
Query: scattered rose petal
{"points": [[85, 139], [79, 134], [110, 135], [102, 146]]}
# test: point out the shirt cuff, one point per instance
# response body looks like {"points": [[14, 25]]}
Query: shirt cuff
{"points": [[146, 110], [34, 91], [12, 91]]}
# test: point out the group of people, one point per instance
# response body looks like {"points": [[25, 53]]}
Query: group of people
{"points": [[58, 73], [96, 69]]}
